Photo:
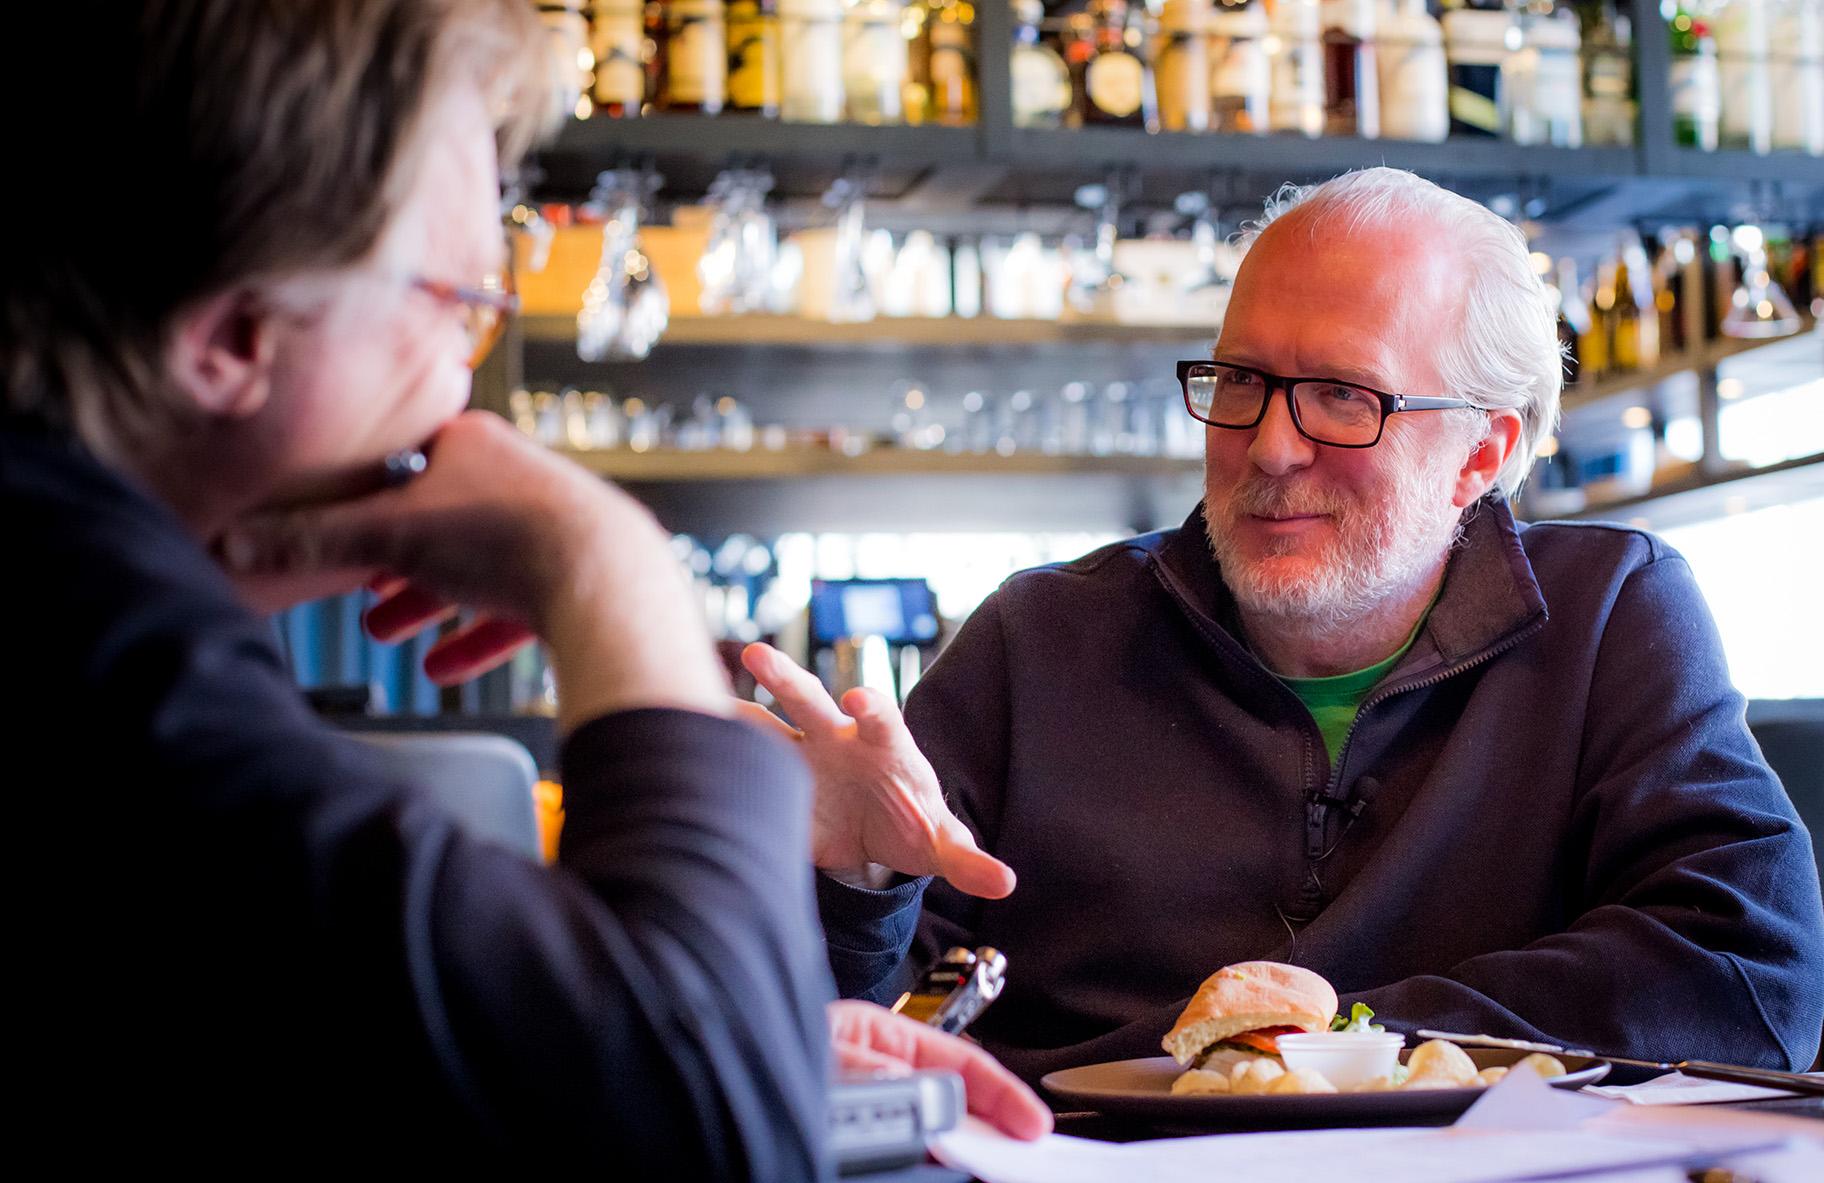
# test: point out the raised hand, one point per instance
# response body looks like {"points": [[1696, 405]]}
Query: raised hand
{"points": [[538, 545], [879, 807]]}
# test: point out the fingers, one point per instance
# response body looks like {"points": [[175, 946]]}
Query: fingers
{"points": [[877, 720], [407, 611], [474, 649], [995, 1094], [359, 535], [799, 692], [855, 1057], [765, 720], [969, 868]]}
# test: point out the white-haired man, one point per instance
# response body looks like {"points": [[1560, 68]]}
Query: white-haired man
{"points": [[1483, 776]]}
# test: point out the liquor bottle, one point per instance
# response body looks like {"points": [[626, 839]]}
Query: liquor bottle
{"points": [[1040, 80], [1744, 82], [617, 40], [1675, 250], [753, 57], [1542, 81], [1798, 77], [1415, 82], [1114, 87], [1594, 348], [810, 61], [950, 36], [1181, 65], [873, 62], [694, 74], [1241, 74], [1693, 82], [1352, 87], [1635, 332], [1608, 76], [1573, 321], [567, 39], [1476, 43], [1298, 68]]}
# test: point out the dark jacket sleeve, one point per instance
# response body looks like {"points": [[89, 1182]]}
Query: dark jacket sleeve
{"points": [[662, 990], [258, 925], [1699, 886], [958, 714]]}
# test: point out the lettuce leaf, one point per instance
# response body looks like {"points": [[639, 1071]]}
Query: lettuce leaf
{"points": [[1359, 1014]]}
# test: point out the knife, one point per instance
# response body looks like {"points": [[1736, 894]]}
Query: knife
{"points": [[1795, 1082]]}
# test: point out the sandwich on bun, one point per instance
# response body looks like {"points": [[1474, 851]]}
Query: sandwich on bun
{"points": [[1240, 1011]]}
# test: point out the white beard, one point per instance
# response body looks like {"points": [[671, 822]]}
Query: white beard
{"points": [[1382, 550]]}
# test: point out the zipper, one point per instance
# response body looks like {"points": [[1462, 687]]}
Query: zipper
{"points": [[1380, 696], [1315, 823]]}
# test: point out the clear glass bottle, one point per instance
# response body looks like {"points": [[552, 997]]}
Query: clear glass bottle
{"points": [[1542, 80], [1352, 104], [1476, 44], [1241, 72], [617, 40], [1297, 100], [950, 35], [1040, 79], [1415, 83], [873, 62], [810, 61], [1181, 65], [1694, 82], [753, 57], [694, 74], [1744, 82], [1798, 77], [1608, 76]]}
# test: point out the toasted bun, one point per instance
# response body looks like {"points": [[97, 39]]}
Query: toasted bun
{"points": [[1249, 996]]}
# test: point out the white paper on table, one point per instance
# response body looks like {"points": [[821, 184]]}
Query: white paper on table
{"points": [[1520, 1129], [1675, 1088]]}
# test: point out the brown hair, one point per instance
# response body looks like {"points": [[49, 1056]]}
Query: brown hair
{"points": [[207, 143]]}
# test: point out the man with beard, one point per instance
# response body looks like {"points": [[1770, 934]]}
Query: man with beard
{"points": [[1481, 775]]}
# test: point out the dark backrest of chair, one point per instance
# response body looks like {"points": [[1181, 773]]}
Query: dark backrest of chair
{"points": [[1791, 735], [484, 781]]}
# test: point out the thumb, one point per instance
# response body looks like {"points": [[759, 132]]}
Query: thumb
{"points": [[969, 868]]}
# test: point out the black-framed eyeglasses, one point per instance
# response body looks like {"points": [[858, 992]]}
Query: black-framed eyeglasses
{"points": [[485, 308], [1324, 410]]}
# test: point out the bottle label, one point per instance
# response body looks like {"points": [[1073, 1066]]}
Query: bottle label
{"points": [[615, 39], [810, 75], [1473, 102], [1183, 77], [873, 65], [1041, 86], [753, 60], [1239, 69], [1694, 87], [1116, 83], [697, 59]]}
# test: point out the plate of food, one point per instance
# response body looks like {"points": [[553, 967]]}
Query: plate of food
{"points": [[1261, 1045]]}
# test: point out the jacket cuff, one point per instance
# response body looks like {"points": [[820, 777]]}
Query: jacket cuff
{"points": [[861, 920]]}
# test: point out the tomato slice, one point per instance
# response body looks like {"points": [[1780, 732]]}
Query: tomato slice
{"points": [[1266, 1039]]}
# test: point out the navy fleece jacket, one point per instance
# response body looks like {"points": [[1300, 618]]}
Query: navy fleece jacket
{"points": [[1549, 821]]}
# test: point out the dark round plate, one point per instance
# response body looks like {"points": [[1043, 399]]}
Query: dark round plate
{"points": [[1143, 1088]]}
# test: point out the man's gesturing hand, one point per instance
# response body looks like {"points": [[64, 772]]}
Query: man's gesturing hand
{"points": [[878, 800], [869, 1038]]}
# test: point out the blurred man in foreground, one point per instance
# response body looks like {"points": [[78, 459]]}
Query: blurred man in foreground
{"points": [[256, 948]]}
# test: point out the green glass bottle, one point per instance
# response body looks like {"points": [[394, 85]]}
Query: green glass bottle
{"points": [[1695, 84]]}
